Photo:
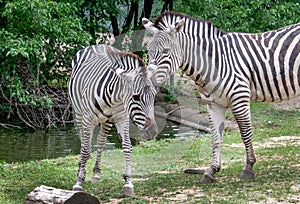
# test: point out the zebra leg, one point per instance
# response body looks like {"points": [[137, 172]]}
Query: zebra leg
{"points": [[123, 131], [243, 118], [216, 117], [85, 153], [78, 124], [101, 140]]}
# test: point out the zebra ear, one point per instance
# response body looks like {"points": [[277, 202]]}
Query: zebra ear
{"points": [[126, 75], [149, 25], [175, 28]]}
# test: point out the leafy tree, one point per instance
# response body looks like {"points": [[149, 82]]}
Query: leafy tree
{"points": [[243, 16], [37, 41]]}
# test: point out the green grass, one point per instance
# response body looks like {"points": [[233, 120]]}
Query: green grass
{"points": [[158, 166]]}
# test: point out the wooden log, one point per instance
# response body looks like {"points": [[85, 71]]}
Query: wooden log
{"points": [[50, 195], [182, 121]]}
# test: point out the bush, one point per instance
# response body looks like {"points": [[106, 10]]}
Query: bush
{"points": [[243, 16]]}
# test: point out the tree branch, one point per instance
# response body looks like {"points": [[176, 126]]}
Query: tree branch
{"points": [[9, 126], [147, 8]]}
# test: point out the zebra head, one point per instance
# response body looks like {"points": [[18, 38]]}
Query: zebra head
{"points": [[139, 93], [164, 51]]}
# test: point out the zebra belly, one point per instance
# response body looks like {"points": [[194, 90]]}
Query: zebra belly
{"points": [[273, 94], [217, 98]]}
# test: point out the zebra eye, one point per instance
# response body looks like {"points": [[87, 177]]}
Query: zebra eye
{"points": [[136, 97], [166, 50]]}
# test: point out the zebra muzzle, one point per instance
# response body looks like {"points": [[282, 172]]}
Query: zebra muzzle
{"points": [[150, 131], [149, 123]]}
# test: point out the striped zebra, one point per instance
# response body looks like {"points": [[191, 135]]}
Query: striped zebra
{"points": [[229, 68], [107, 87]]}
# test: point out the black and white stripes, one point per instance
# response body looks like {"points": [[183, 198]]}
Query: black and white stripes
{"points": [[230, 69], [107, 87]]}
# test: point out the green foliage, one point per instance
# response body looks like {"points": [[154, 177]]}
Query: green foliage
{"points": [[241, 15], [37, 43]]}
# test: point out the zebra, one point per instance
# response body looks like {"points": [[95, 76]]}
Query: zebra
{"points": [[108, 87], [230, 69]]}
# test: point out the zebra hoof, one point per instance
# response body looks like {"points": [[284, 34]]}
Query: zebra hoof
{"points": [[96, 179], [77, 187], [207, 178], [247, 174], [128, 190]]}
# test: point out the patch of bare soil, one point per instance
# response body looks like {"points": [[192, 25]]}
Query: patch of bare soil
{"points": [[290, 199], [182, 195], [114, 201], [271, 142], [179, 196]]}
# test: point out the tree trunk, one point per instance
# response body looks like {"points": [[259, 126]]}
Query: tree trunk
{"points": [[147, 8], [168, 3], [132, 12], [115, 26], [46, 195]]}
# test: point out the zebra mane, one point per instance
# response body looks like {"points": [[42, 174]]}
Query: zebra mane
{"points": [[166, 19]]}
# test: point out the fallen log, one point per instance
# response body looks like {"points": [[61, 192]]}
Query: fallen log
{"points": [[50, 195], [183, 121]]}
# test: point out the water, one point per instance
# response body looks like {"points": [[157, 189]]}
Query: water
{"points": [[23, 144]]}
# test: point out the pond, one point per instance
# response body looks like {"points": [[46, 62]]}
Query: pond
{"points": [[21, 145]]}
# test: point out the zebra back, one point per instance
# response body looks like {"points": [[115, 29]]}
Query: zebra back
{"points": [[90, 52], [192, 25]]}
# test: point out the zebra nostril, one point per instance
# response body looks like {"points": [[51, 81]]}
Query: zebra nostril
{"points": [[147, 122]]}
